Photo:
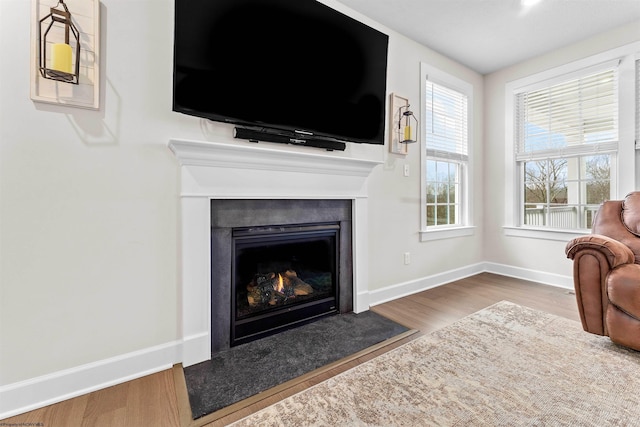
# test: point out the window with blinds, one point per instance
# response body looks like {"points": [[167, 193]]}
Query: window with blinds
{"points": [[566, 139], [446, 145]]}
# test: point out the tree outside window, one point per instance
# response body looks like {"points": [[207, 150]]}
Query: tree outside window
{"points": [[553, 199]]}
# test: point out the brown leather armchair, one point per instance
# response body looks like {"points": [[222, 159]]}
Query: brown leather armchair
{"points": [[606, 272]]}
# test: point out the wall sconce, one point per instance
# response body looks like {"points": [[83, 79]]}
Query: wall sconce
{"points": [[407, 125], [55, 44]]}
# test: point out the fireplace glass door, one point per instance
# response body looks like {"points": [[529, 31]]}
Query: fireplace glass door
{"points": [[282, 276]]}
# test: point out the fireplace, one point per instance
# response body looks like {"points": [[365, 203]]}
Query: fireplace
{"points": [[211, 172], [282, 276], [276, 264]]}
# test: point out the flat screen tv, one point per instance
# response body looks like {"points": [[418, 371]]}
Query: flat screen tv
{"points": [[294, 68]]}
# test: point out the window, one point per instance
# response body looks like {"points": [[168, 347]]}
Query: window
{"points": [[445, 122], [566, 143], [557, 175]]}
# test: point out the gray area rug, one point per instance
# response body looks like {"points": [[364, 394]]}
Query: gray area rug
{"points": [[506, 365], [245, 370]]}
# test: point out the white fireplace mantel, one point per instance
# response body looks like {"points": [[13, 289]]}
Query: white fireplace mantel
{"points": [[197, 153], [211, 170]]}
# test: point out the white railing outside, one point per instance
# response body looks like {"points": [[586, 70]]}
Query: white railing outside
{"points": [[564, 217]]}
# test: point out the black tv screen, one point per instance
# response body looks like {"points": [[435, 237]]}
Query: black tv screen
{"points": [[296, 65]]}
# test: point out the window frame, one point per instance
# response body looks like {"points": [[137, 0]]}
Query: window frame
{"points": [[466, 227], [624, 162]]}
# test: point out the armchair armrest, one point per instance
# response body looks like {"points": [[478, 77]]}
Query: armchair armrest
{"points": [[615, 252]]}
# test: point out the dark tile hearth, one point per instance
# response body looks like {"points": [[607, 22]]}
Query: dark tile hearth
{"points": [[243, 371]]}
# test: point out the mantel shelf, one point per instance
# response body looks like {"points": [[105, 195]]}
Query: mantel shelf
{"points": [[222, 155]]}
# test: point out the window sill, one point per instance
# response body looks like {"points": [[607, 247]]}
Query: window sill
{"points": [[545, 234], [446, 233]]}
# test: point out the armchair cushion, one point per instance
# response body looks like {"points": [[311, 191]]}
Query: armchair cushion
{"points": [[623, 330], [623, 289], [631, 213]]}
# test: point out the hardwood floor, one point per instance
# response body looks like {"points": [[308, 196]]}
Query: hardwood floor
{"points": [[155, 400]]}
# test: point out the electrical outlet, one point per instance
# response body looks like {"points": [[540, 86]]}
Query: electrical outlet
{"points": [[407, 258]]}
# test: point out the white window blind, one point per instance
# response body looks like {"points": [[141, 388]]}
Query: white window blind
{"points": [[575, 117], [446, 123]]}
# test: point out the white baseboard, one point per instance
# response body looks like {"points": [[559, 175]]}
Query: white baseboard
{"points": [[196, 348], [362, 302], [400, 290], [38, 392], [551, 279]]}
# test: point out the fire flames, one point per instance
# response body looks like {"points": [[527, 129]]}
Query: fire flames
{"points": [[275, 288], [279, 285]]}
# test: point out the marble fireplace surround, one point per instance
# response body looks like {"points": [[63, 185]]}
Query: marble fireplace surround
{"points": [[212, 170]]}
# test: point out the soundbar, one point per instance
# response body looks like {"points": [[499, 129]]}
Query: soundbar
{"points": [[288, 137]]}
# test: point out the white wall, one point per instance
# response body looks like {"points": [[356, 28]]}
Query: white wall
{"points": [[521, 253], [89, 207]]}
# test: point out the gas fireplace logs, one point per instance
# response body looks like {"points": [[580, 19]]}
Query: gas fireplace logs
{"points": [[276, 288]]}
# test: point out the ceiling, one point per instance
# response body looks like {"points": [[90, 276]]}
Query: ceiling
{"points": [[487, 35]]}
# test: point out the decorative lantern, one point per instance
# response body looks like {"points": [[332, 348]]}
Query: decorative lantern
{"points": [[407, 126], [56, 60]]}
